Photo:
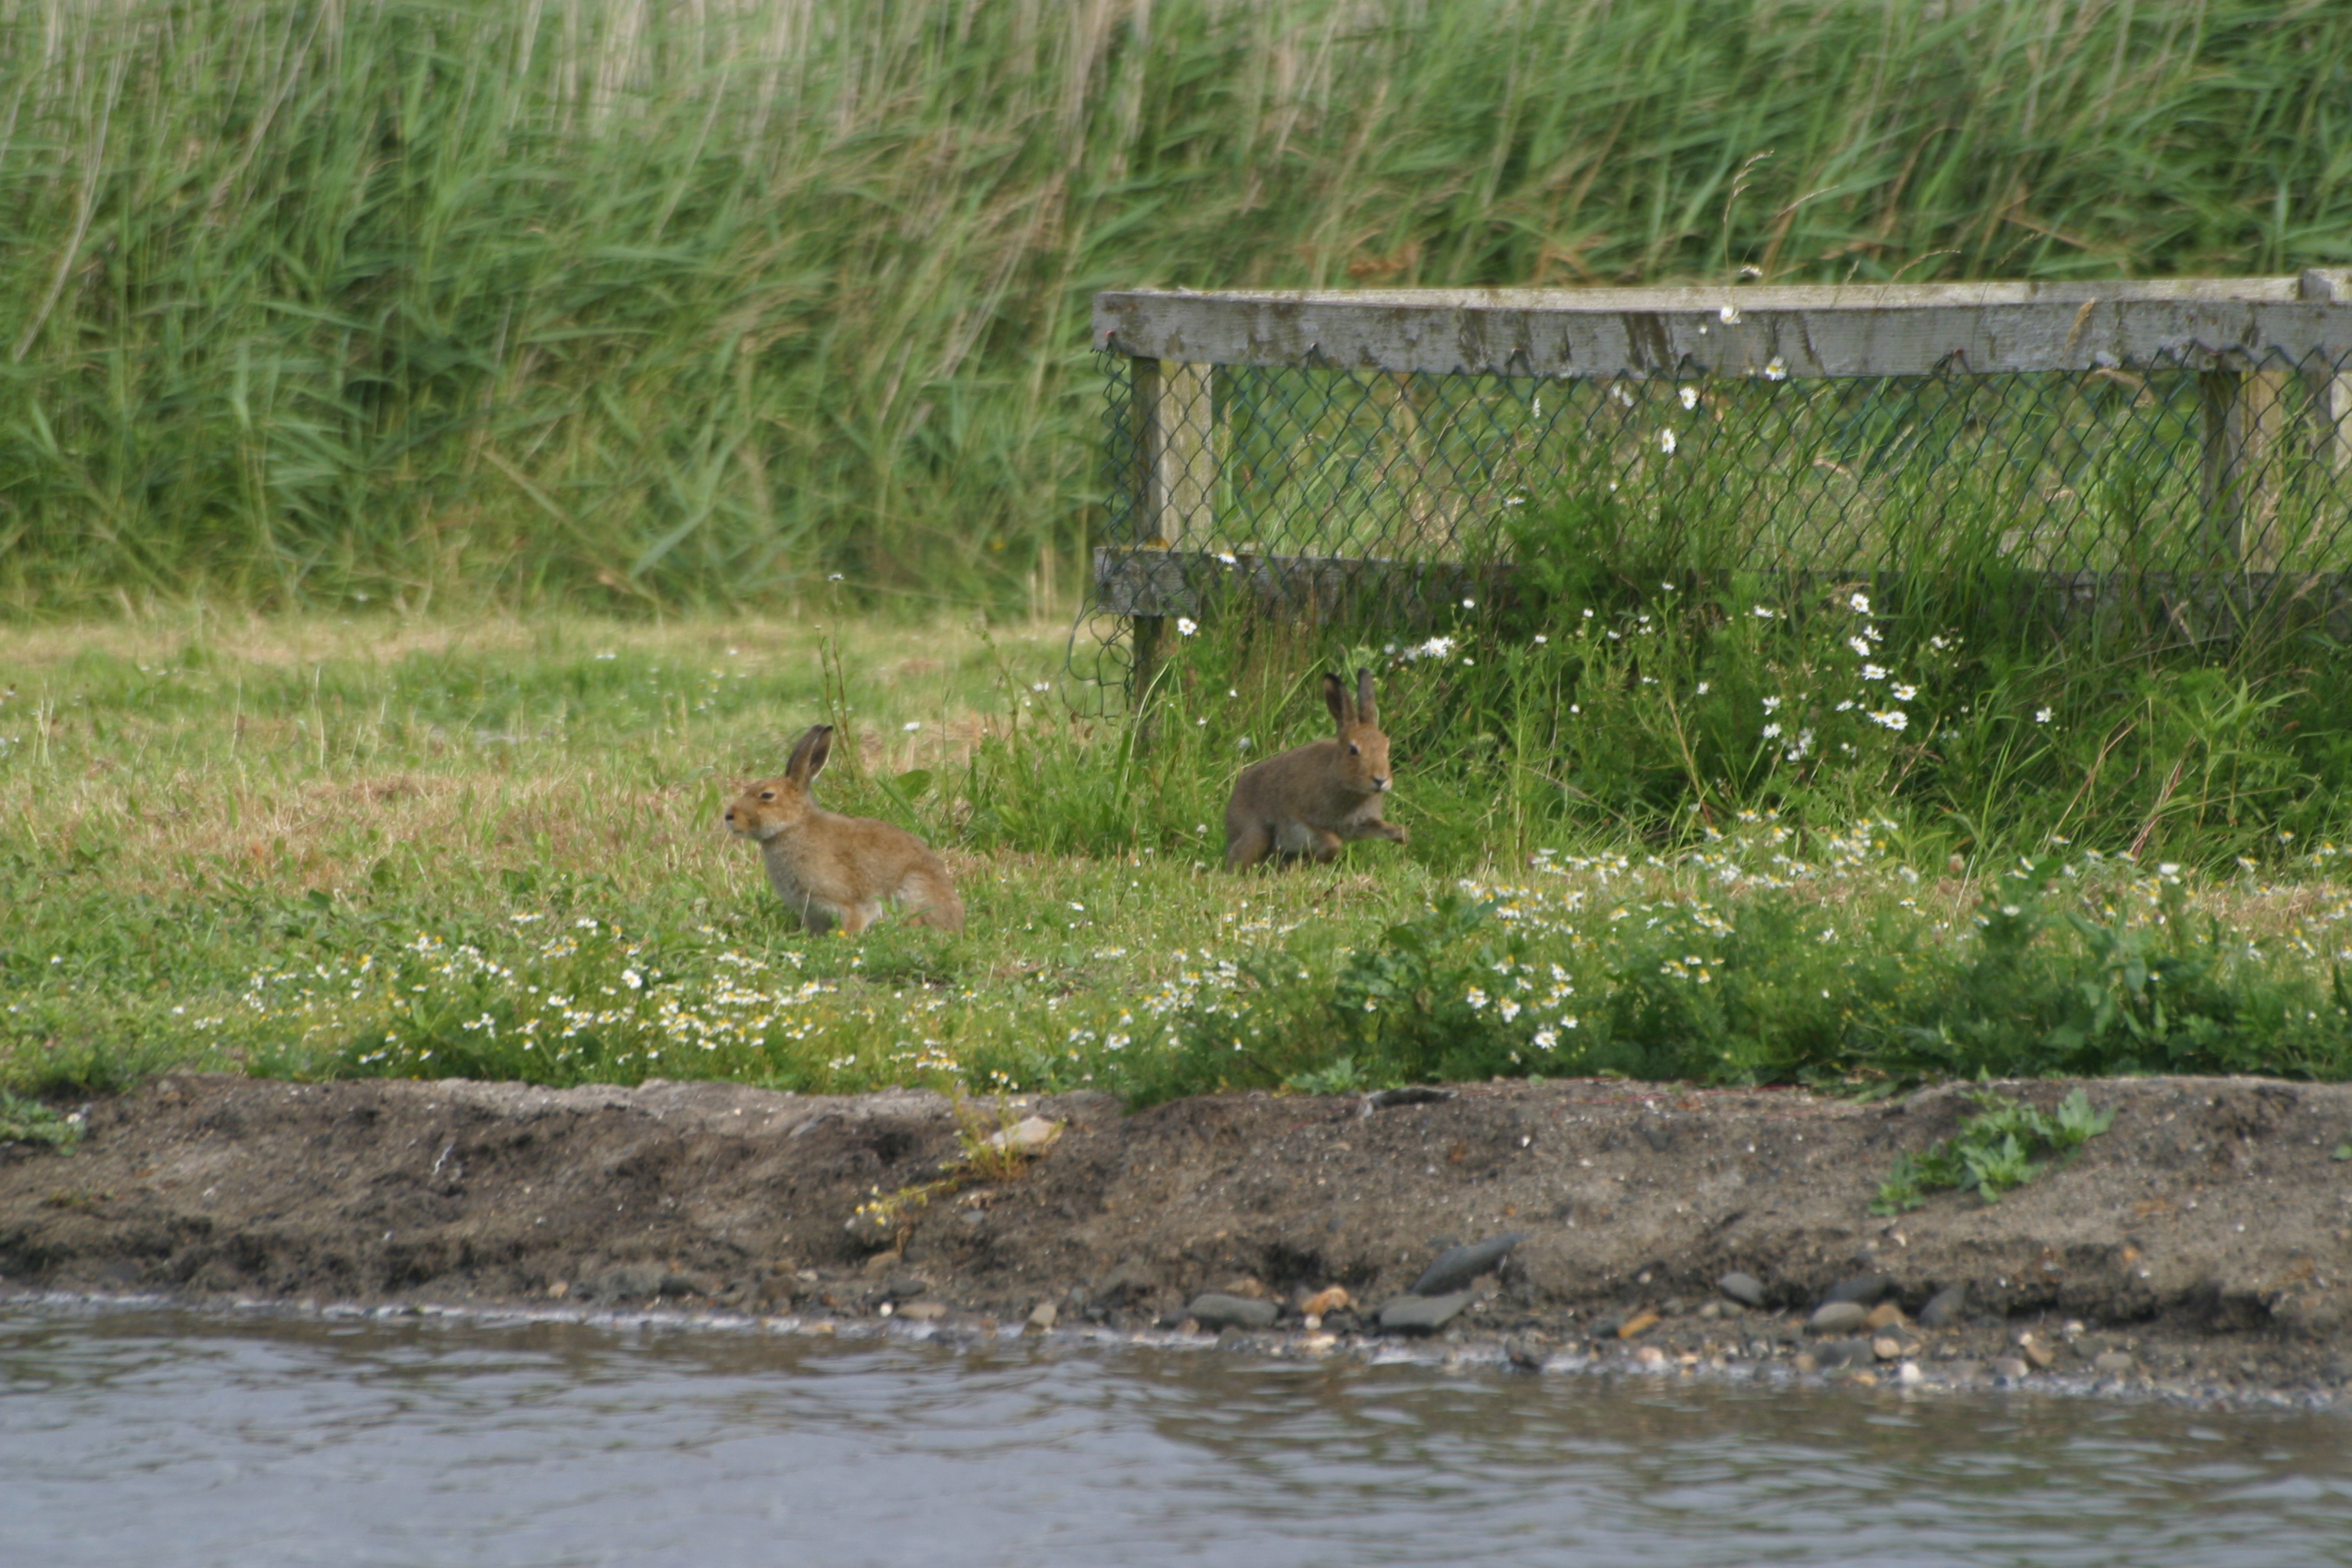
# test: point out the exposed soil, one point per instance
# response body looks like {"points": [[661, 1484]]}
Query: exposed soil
{"points": [[2208, 1236]]}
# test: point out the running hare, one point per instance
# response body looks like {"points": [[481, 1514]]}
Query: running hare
{"points": [[1313, 798], [832, 869]]}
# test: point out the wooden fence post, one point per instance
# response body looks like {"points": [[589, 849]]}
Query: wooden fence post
{"points": [[2243, 413], [2329, 385]]}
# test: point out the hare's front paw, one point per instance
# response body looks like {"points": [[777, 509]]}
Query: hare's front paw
{"points": [[1397, 832]]}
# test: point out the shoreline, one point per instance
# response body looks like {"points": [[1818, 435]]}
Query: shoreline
{"points": [[2198, 1251], [1468, 1354]]}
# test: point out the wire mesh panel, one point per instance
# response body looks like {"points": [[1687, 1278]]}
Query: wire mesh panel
{"points": [[2179, 455]]}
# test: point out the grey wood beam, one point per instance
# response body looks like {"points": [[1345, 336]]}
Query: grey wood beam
{"points": [[1769, 332]]}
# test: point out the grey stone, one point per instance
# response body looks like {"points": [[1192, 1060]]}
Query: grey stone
{"points": [[903, 1287], [1129, 1279], [1867, 1289], [2115, 1364], [121, 1275], [2011, 1367], [1458, 1266], [1743, 1289], [1834, 1353], [625, 1282], [1658, 1135], [1945, 1307], [1042, 1316], [1963, 1371], [1422, 1314], [1838, 1318], [1213, 1310]]}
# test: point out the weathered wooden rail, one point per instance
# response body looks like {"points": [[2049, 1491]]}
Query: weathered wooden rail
{"points": [[2248, 342]]}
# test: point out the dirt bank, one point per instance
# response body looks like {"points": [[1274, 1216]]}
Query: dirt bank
{"points": [[2204, 1242]]}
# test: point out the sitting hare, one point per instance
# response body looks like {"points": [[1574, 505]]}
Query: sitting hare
{"points": [[830, 869], [1313, 798]]}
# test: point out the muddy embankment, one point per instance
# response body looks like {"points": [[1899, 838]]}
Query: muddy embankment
{"points": [[2202, 1245]]}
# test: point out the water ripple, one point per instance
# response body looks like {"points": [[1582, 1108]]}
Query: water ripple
{"points": [[163, 1437]]}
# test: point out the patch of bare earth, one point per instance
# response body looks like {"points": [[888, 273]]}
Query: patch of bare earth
{"points": [[2204, 1243]]}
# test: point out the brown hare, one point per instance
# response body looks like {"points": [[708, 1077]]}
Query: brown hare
{"points": [[1313, 798], [834, 869]]}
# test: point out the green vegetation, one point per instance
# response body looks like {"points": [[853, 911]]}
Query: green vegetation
{"points": [[1993, 1152], [31, 1121], [743, 327], [318, 848], [634, 305]]}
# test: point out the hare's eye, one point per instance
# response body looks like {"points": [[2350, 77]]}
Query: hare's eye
{"points": [[1354, 750], [767, 794]]}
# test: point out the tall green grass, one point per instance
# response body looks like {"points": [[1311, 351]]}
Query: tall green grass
{"points": [[645, 305]]}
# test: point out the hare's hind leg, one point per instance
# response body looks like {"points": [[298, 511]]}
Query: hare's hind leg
{"points": [[1246, 844], [932, 899]]}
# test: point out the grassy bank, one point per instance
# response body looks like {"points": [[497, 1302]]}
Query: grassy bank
{"points": [[629, 305], [322, 847]]}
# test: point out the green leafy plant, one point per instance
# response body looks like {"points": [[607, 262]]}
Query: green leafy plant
{"points": [[29, 1122], [1427, 999], [1993, 1152]]}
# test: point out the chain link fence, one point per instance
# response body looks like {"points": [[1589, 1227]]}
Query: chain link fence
{"points": [[2174, 461]]}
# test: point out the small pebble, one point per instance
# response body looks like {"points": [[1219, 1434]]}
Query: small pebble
{"points": [[1323, 1301], [1215, 1309], [1042, 1316], [1838, 1318], [1885, 1349], [2115, 1364], [2010, 1367], [1945, 1307], [1743, 1289], [1423, 1314], [1458, 1266], [1866, 1289]]}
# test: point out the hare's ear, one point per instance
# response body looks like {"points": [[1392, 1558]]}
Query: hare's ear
{"points": [[809, 754], [1365, 713], [1335, 698]]}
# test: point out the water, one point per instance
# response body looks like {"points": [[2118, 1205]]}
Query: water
{"points": [[149, 1436]]}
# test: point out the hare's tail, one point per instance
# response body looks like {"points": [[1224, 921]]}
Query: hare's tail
{"points": [[932, 899]]}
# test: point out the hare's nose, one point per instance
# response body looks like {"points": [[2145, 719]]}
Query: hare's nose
{"points": [[730, 813]]}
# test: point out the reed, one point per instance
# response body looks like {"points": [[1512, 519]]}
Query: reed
{"points": [[635, 306]]}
